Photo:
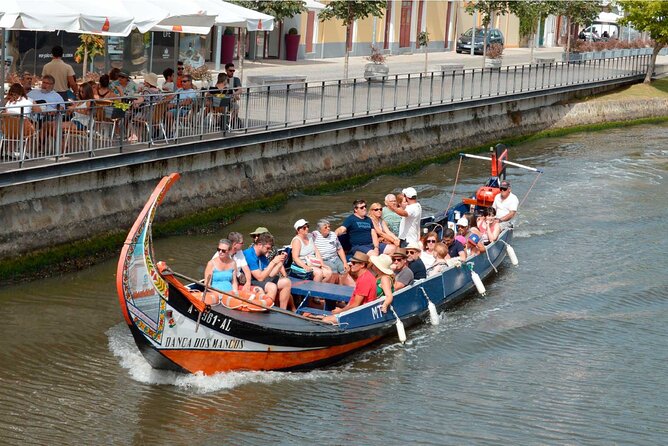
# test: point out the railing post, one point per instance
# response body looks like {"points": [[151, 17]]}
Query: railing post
{"points": [[246, 112], [382, 94], [22, 148], [431, 89], [368, 97], [338, 100], [287, 98], [322, 101], [305, 103], [408, 91], [59, 134], [522, 80], [266, 111], [442, 85], [419, 99], [91, 130], [352, 106], [396, 87]]}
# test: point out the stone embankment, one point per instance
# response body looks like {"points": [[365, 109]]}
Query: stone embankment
{"points": [[44, 216]]}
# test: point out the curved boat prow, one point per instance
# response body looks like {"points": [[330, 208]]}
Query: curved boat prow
{"points": [[141, 290]]}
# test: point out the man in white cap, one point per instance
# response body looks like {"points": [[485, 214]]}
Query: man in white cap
{"points": [[505, 204], [409, 228], [415, 263]]}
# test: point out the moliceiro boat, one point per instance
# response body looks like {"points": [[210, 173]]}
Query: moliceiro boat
{"points": [[175, 330]]}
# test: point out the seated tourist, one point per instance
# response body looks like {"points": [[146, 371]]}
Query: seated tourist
{"points": [[440, 263], [403, 275], [381, 267], [505, 204], [455, 249], [392, 219], [268, 274], [332, 253], [365, 286], [385, 235], [27, 82], [220, 272], [474, 245], [181, 102], [305, 255], [168, 85], [359, 228], [17, 102], [243, 272], [462, 230], [82, 110], [489, 226], [416, 264], [428, 243]]}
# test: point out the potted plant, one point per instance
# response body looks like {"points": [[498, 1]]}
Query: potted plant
{"points": [[377, 70], [494, 56], [201, 74], [228, 44], [292, 44]]}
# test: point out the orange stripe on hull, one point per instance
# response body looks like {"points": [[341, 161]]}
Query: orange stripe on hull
{"points": [[212, 361]]}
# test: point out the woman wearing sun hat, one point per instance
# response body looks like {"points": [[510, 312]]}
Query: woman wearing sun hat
{"points": [[381, 267]]}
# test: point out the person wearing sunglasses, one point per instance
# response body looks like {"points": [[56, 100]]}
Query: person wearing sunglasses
{"points": [[388, 241], [428, 254], [359, 228], [220, 272], [403, 275], [234, 93], [415, 263], [505, 204], [306, 258]]}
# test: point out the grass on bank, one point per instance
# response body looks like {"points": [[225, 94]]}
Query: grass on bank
{"points": [[657, 89], [81, 254]]}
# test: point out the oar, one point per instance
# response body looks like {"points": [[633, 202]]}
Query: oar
{"points": [[206, 288], [277, 310], [400, 326]]}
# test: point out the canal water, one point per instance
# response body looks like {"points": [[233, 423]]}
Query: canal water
{"points": [[569, 347]]}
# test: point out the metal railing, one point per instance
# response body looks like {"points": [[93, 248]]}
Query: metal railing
{"points": [[29, 135]]}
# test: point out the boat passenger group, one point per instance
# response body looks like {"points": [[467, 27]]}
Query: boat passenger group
{"points": [[386, 252]]}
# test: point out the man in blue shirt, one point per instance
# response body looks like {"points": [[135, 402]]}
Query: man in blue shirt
{"points": [[359, 228], [182, 101], [45, 111], [268, 274]]}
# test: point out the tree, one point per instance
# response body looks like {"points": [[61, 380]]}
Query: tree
{"points": [[650, 16], [91, 45], [581, 12], [279, 9], [530, 12], [348, 12], [423, 41], [487, 9]]}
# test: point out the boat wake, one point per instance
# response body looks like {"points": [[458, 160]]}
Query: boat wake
{"points": [[123, 346]]}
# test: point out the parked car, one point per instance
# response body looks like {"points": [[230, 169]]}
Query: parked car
{"points": [[464, 41]]}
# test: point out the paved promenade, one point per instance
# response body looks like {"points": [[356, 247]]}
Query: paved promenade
{"points": [[332, 69]]}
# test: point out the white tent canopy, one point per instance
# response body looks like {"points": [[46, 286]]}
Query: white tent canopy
{"points": [[111, 19]]}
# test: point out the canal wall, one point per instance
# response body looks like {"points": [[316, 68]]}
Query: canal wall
{"points": [[36, 216]]}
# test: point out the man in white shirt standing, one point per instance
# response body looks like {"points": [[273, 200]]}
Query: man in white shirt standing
{"points": [[505, 204], [409, 228]]}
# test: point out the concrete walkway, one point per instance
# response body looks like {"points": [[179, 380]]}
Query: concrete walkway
{"points": [[332, 68]]}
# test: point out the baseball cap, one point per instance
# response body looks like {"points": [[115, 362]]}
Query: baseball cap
{"points": [[463, 221], [504, 184], [299, 223], [474, 238], [409, 192], [259, 230]]}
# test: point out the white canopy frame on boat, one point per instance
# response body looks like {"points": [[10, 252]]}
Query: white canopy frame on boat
{"points": [[486, 158]]}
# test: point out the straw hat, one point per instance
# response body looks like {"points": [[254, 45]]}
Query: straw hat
{"points": [[359, 257], [383, 262], [151, 79], [414, 246]]}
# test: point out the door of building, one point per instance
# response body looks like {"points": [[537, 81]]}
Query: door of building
{"points": [[405, 24]]}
